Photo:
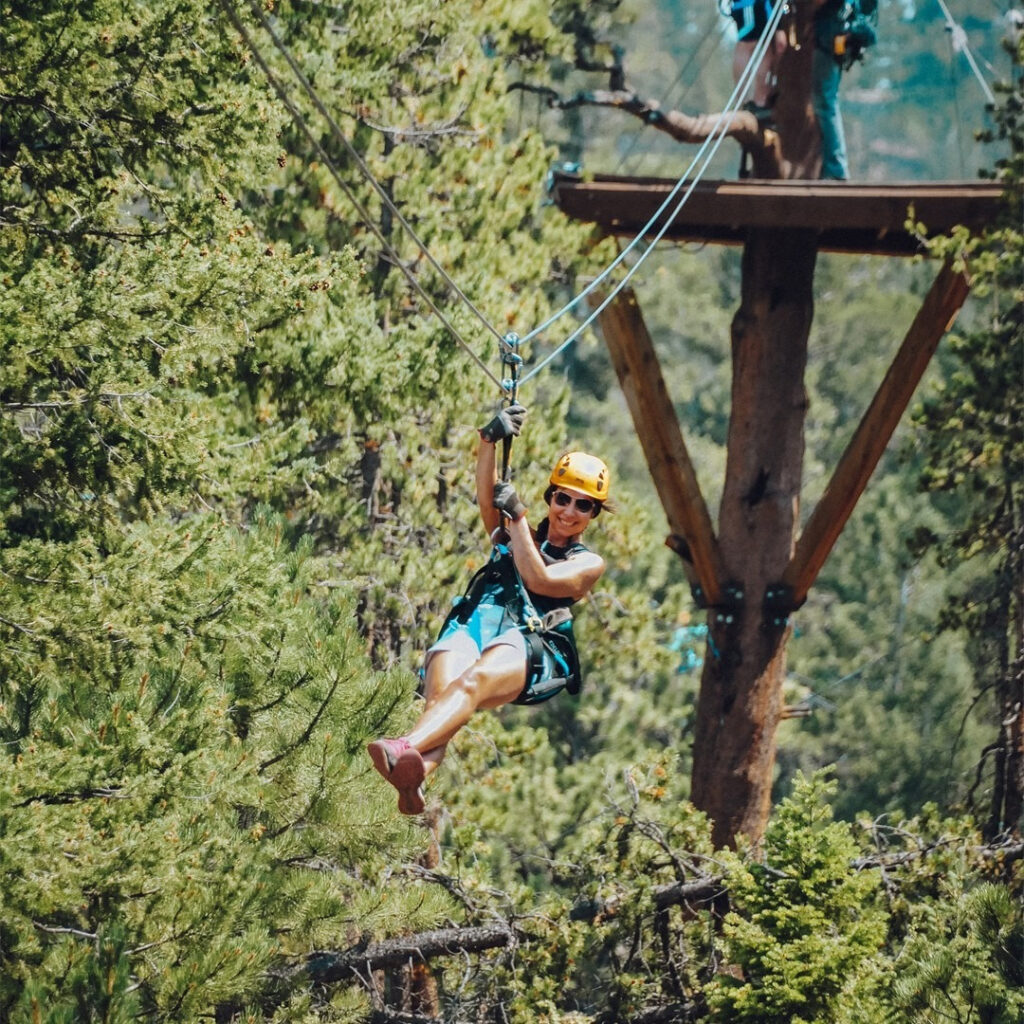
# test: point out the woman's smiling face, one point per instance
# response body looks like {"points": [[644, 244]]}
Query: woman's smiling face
{"points": [[569, 512]]}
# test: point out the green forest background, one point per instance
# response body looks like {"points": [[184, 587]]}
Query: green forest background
{"points": [[236, 501]]}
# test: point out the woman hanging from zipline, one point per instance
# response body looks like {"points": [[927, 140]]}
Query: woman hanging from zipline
{"points": [[509, 640]]}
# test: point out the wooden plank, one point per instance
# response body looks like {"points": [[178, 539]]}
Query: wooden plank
{"points": [[860, 217], [850, 477], [657, 427]]}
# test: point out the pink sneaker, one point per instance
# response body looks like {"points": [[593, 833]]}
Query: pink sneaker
{"points": [[407, 777], [385, 754], [403, 767], [410, 801]]}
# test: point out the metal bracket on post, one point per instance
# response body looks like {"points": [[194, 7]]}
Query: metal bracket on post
{"points": [[728, 609], [778, 605]]}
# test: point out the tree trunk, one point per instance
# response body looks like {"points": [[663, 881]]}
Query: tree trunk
{"points": [[740, 700]]}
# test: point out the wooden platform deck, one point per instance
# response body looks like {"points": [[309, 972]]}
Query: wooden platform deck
{"points": [[853, 217]]}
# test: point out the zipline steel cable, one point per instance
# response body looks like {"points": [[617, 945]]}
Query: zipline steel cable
{"points": [[364, 169], [714, 140], [717, 136], [360, 209], [958, 40]]}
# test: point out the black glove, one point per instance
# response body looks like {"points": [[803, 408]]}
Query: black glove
{"points": [[506, 500], [507, 423]]}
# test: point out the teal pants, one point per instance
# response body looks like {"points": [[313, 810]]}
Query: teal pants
{"points": [[825, 97]]}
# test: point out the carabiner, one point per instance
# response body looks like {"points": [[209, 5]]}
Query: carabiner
{"points": [[514, 361]]}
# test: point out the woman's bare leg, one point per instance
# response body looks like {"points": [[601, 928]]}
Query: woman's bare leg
{"points": [[489, 680], [497, 677], [442, 669]]}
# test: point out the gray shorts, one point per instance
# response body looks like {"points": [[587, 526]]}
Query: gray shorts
{"points": [[466, 637]]}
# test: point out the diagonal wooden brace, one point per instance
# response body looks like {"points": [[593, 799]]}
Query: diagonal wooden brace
{"points": [[692, 536], [935, 317]]}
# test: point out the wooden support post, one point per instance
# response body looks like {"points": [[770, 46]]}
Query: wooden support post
{"points": [[636, 363], [851, 475]]}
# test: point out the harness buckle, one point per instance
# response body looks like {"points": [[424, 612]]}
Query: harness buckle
{"points": [[555, 618], [534, 623]]}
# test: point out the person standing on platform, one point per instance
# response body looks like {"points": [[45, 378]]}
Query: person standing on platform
{"points": [[843, 29], [752, 17]]}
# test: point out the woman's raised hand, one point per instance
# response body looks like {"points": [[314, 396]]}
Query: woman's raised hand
{"points": [[507, 423]]}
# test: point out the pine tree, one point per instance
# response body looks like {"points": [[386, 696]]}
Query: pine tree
{"points": [[964, 959], [801, 925], [221, 440], [973, 450]]}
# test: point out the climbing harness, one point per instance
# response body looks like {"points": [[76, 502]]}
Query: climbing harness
{"points": [[496, 600], [845, 29], [709, 147]]}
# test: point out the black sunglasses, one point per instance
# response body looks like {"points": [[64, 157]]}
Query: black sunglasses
{"points": [[583, 505]]}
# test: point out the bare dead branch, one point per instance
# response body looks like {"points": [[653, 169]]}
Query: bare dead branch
{"points": [[701, 891], [71, 797], [692, 128], [104, 397], [452, 126], [77, 932], [326, 967], [695, 128], [551, 95], [1007, 852]]}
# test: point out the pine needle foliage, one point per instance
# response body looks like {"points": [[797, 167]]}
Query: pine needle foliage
{"points": [[231, 450], [964, 960], [972, 440], [234, 504], [801, 925]]}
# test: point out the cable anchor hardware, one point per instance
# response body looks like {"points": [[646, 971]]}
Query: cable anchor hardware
{"points": [[779, 603], [511, 358]]}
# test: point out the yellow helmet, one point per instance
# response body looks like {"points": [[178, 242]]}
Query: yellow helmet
{"points": [[582, 472]]}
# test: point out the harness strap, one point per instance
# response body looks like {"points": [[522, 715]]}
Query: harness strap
{"points": [[550, 634], [534, 655]]}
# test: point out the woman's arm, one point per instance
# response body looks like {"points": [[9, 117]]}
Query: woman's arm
{"points": [[505, 425], [574, 577], [486, 475]]}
